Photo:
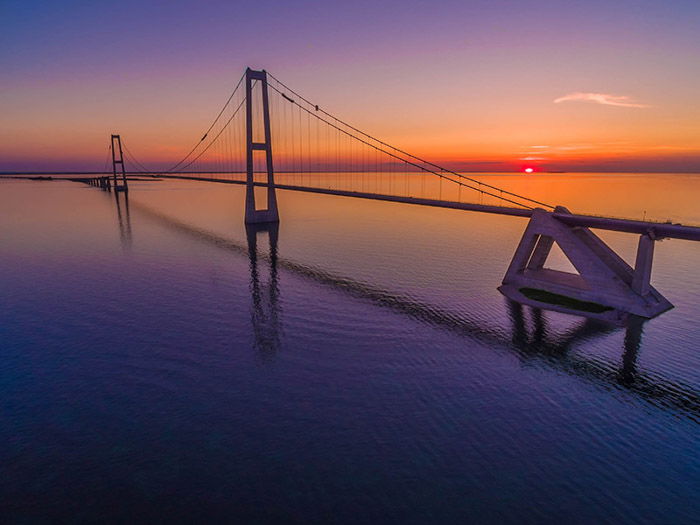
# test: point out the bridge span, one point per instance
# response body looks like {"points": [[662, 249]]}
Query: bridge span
{"points": [[308, 141], [662, 230]]}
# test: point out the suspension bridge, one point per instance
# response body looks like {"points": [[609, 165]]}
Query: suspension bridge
{"points": [[318, 152]]}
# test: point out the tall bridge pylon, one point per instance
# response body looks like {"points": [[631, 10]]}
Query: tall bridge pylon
{"points": [[253, 215], [118, 159]]}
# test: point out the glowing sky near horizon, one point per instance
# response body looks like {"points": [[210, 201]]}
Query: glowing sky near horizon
{"points": [[485, 85]]}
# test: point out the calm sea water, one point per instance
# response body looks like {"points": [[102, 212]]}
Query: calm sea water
{"points": [[158, 362]]}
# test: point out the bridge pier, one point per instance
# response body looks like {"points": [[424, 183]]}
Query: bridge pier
{"points": [[252, 214], [605, 287], [124, 219]]}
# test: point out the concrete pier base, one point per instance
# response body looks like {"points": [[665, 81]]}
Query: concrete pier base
{"points": [[605, 288]]}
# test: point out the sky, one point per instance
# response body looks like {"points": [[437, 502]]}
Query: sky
{"points": [[479, 85]]}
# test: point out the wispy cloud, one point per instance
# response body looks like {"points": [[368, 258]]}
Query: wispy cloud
{"points": [[601, 98]]}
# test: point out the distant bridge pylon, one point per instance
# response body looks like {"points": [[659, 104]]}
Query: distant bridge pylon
{"points": [[118, 164]]}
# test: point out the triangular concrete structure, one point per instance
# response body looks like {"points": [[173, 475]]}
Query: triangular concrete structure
{"points": [[604, 278]]}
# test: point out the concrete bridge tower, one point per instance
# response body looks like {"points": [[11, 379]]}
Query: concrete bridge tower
{"points": [[252, 214], [118, 164]]}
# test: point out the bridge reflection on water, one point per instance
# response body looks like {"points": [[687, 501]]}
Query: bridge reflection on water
{"points": [[121, 203], [529, 337], [264, 292]]}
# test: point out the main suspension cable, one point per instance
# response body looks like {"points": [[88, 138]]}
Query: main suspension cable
{"points": [[199, 142], [419, 159], [145, 170], [411, 163], [216, 137]]}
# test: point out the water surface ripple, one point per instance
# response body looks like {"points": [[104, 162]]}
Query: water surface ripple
{"points": [[356, 364]]}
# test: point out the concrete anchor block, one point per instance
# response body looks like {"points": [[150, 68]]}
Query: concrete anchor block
{"points": [[605, 284]]}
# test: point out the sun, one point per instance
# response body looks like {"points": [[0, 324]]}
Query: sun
{"points": [[528, 170]]}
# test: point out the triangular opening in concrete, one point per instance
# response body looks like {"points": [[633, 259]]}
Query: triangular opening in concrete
{"points": [[557, 260]]}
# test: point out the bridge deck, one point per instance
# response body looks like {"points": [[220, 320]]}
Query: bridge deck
{"points": [[659, 229]]}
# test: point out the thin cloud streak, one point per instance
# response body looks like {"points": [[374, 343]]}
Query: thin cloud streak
{"points": [[601, 98]]}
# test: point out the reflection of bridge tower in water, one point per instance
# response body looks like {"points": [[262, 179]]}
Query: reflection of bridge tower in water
{"points": [[264, 291], [124, 218]]}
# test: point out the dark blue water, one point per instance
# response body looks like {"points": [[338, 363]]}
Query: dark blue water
{"points": [[160, 363]]}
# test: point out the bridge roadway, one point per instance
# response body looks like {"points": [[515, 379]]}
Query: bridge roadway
{"points": [[658, 229]]}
